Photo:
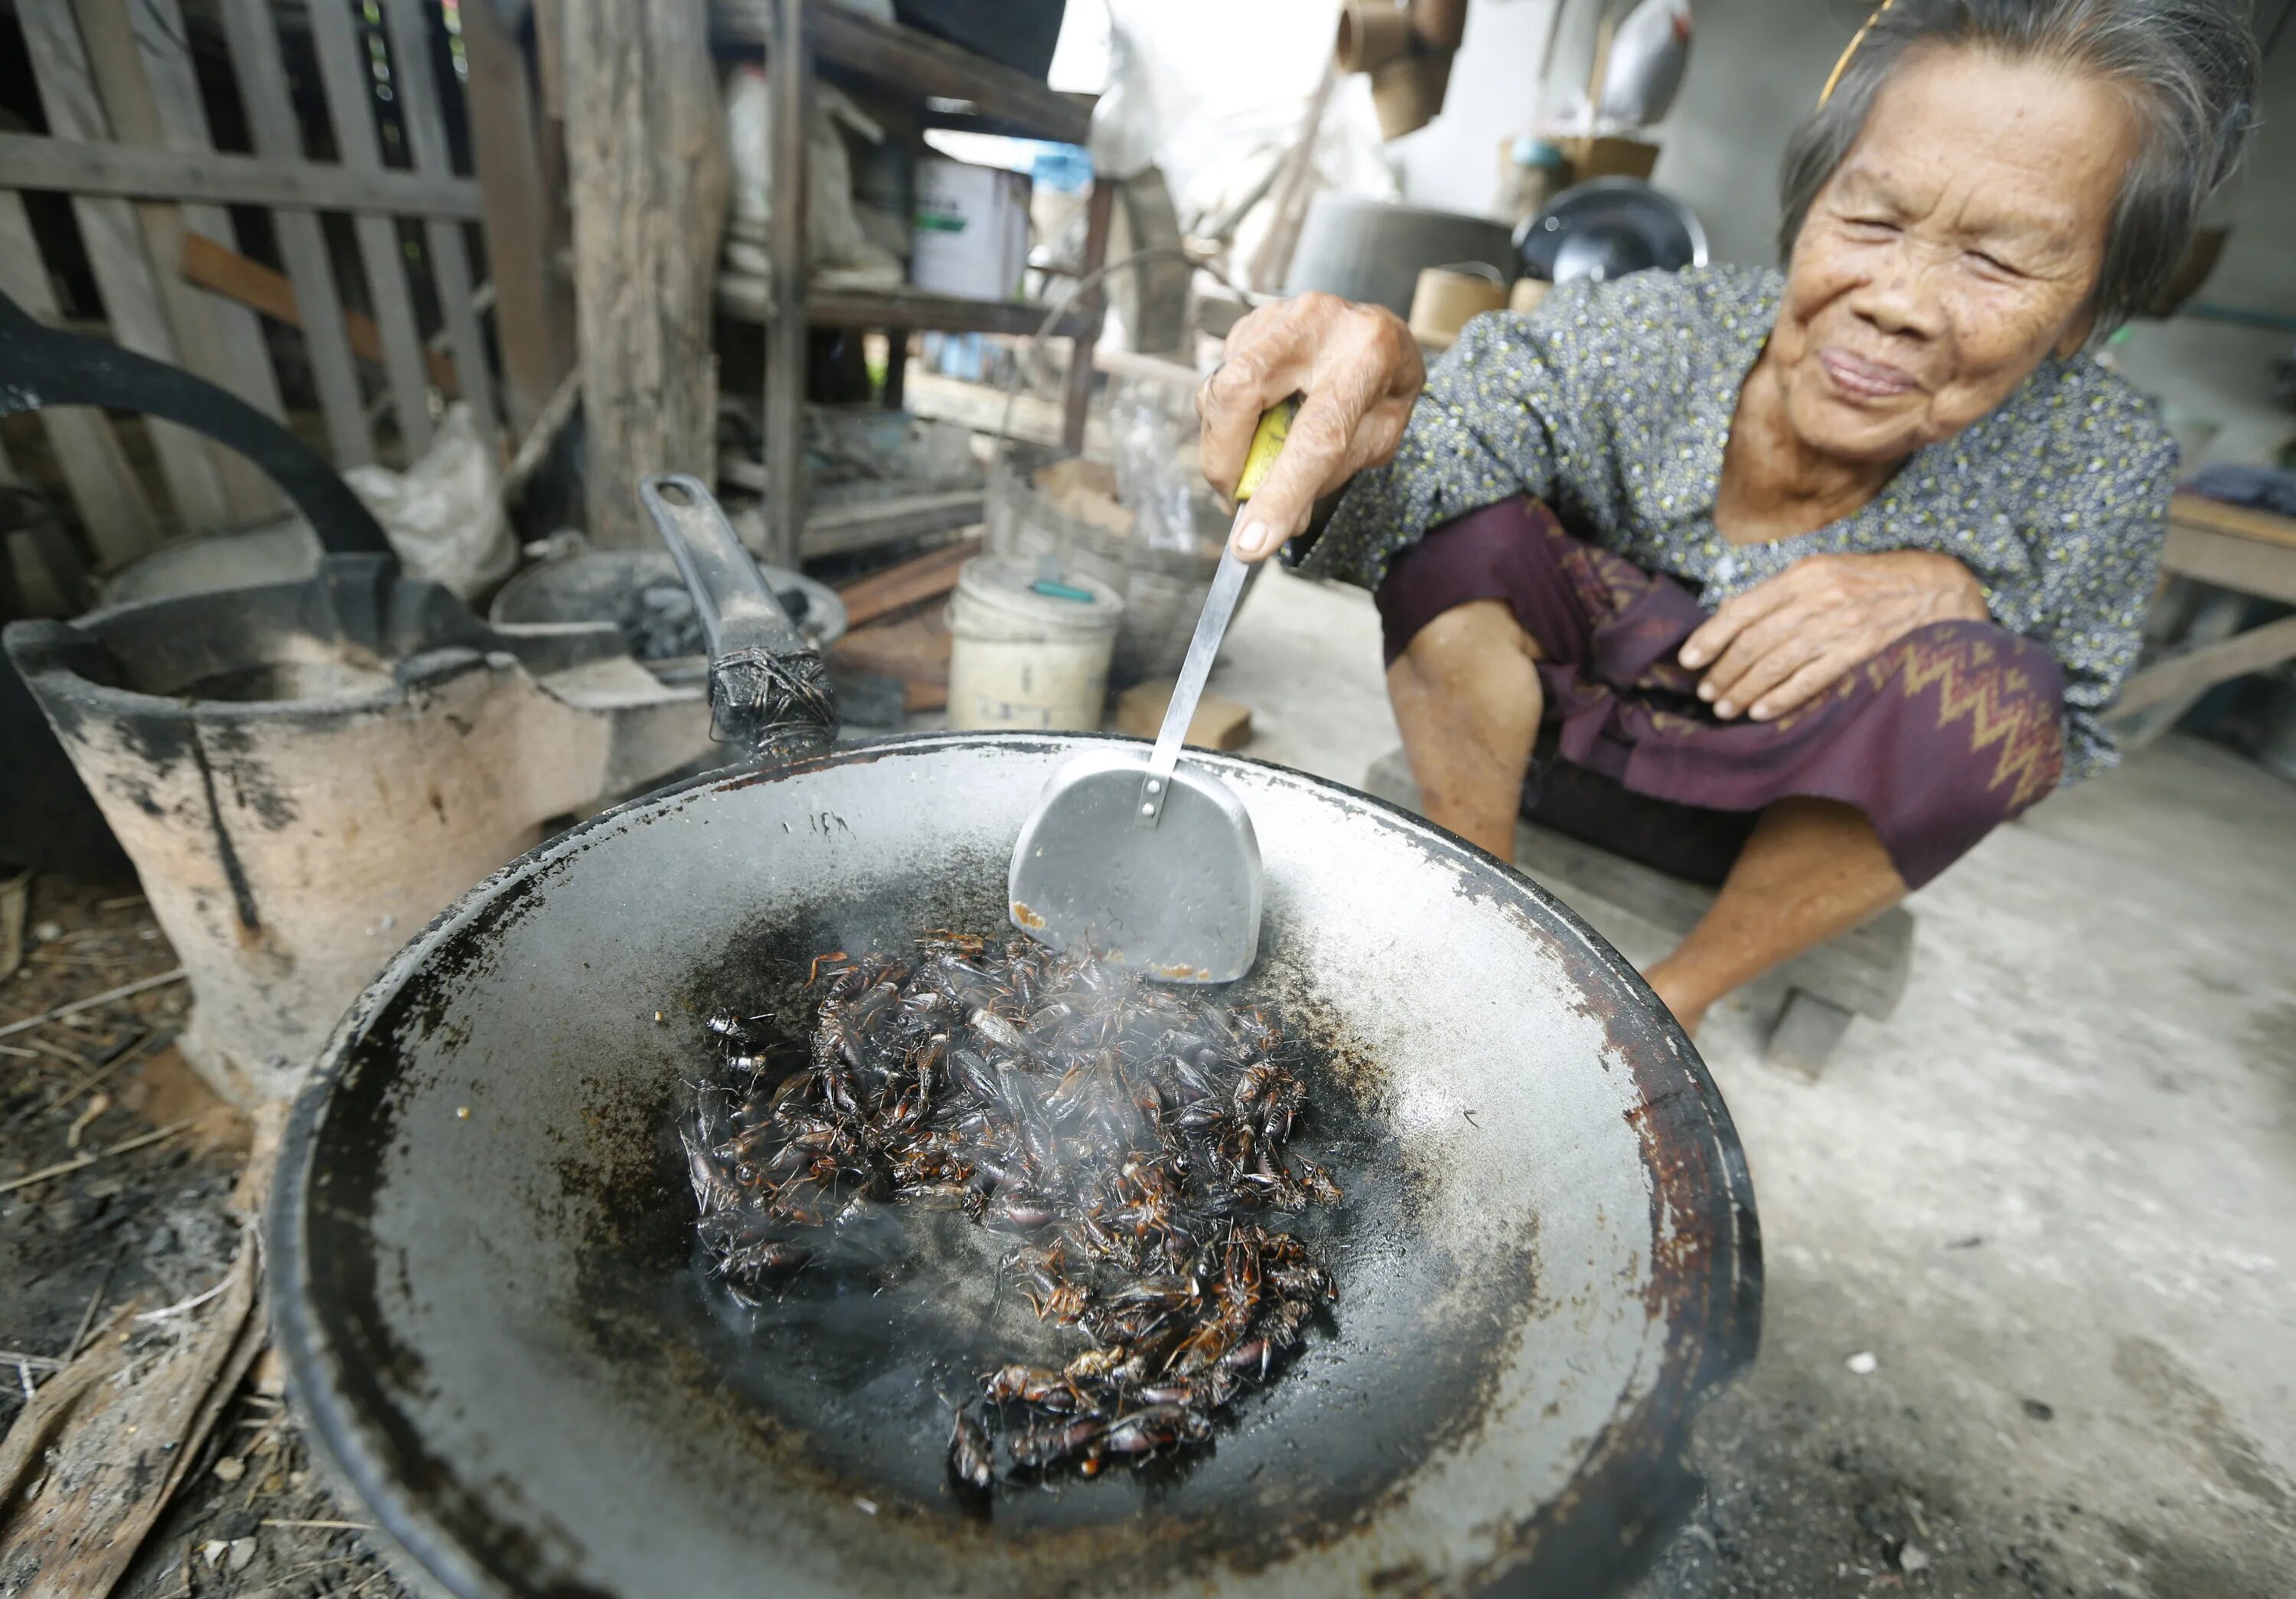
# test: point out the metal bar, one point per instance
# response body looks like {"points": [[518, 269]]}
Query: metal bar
{"points": [[253, 41], [131, 171], [115, 249], [348, 78], [426, 135], [785, 340]]}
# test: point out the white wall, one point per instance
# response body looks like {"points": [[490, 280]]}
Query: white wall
{"points": [[1453, 163]]}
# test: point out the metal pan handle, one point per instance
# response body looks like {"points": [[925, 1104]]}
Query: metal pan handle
{"points": [[41, 365], [769, 690]]}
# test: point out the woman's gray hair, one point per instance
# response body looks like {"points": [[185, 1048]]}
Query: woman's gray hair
{"points": [[2189, 66]]}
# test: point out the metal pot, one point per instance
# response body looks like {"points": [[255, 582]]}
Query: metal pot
{"points": [[487, 1292]]}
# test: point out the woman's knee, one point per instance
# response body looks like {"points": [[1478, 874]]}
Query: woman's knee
{"points": [[1473, 661], [1470, 638]]}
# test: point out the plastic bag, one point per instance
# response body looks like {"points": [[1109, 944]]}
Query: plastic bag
{"points": [[444, 514], [838, 250], [1152, 433], [1123, 137]]}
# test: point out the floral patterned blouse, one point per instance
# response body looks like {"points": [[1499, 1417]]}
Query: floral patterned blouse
{"points": [[1612, 402]]}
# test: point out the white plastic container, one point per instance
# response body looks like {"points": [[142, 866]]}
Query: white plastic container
{"points": [[1019, 657], [970, 232]]}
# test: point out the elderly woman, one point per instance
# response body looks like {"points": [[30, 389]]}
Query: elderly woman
{"points": [[1861, 549]]}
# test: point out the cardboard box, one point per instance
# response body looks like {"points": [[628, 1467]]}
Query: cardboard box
{"points": [[1610, 156], [969, 235]]}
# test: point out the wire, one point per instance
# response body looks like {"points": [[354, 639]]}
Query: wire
{"points": [[1060, 309]]}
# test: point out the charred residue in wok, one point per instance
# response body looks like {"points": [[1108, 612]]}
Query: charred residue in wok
{"points": [[834, 1392], [1133, 1146]]}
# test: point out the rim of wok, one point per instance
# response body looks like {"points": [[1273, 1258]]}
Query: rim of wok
{"points": [[1630, 1487]]}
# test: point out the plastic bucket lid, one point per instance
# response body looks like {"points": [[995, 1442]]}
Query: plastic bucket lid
{"points": [[995, 598]]}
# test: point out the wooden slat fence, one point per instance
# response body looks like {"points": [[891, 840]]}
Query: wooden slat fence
{"points": [[334, 321]]}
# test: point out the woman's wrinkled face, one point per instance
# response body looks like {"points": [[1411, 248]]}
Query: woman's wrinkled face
{"points": [[1953, 248]]}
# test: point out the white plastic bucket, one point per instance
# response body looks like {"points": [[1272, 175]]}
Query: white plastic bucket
{"points": [[1019, 657]]}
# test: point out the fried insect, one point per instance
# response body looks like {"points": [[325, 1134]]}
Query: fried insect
{"points": [[1132, 1143]]}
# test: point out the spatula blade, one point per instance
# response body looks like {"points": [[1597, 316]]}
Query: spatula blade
{"points": [[1178, 902]]}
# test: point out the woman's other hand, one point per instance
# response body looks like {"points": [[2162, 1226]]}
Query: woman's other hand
{"points": [[1359, 367], [1791, 637]]}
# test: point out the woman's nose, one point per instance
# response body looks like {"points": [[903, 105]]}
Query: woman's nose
{"points": [[1905, 296]]}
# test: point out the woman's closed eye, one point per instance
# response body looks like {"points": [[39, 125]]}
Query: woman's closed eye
{"points": [[1987, 261]]}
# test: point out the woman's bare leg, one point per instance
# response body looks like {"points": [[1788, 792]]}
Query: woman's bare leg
{"points": [[1813, 868], [1466, 695]]}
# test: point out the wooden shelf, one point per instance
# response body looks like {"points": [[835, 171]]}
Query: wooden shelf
{"points": [[847, 43], [746, 297]]}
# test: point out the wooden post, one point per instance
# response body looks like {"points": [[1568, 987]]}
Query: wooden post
{"points": [[534, 316], [646, 159], [785, 333], [1098, 210]]}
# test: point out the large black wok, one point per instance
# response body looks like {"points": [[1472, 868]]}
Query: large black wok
{"points": [[486, 1292]]}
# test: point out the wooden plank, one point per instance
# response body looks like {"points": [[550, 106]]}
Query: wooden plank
{"points": [[2231, 560], [1099, 212], [788, 170], [416, 85], [346, 70], [115, 252], [161, 43], [113, 508], [534, 314], [838, 529], [914, 64], [1808, 1031], [262, 71], [2194, 670], [258, 288], [2236, 522], [646, 151], [1220, 722], [977, 407], [897, 587], [130, 171], [915, 649], [2212, 616], [749, 297], [550, 57], [220, 342]]}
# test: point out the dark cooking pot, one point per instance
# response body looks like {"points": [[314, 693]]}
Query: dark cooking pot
{"points": [[486, 1292]]}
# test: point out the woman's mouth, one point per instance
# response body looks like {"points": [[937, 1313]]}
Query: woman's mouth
{"points": [[1863, 379]]}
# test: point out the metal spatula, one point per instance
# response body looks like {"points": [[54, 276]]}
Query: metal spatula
{"points": [[1153, 865]]}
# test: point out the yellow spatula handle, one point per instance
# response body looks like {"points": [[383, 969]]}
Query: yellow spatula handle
{"points": [[1266, 444]]}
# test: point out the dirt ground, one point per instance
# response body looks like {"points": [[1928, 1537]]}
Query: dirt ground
{"points": [[89, 1253]]}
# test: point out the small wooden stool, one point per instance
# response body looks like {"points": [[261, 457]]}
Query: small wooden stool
{"points": [[1810, 1001]]}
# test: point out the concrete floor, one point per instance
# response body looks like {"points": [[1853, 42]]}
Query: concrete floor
{"points": [[2053, 1196]]}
